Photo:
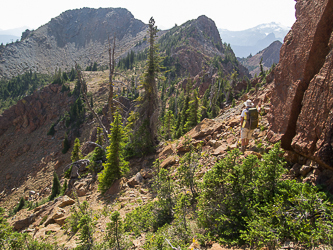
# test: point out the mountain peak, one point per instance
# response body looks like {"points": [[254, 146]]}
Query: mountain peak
{"points": [[69, 36], [253, 40]]}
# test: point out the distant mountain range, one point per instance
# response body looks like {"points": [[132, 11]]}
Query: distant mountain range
{"points": [[11, 35], [4, 39], [253, 40]]}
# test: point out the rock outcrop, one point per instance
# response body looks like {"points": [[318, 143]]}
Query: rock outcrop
{"points": [[33, 111], [25, 147], [53, 212], [302, 114], [79, 35]]}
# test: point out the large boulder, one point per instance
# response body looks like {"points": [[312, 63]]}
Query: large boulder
{"points": [[301, 111], [54, 212], [135, 180], [24, 223]]}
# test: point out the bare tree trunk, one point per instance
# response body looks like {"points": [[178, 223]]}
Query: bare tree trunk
{"points": [[84, 93], [111, 66]]}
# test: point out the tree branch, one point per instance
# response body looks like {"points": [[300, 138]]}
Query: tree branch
{"points": [[94, 143], [77, 162], [84, 92]]}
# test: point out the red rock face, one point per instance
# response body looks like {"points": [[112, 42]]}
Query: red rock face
{"points": [[33, 111], [302, 97]]}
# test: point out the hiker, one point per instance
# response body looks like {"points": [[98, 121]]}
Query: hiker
{"points": [[249, 121]]}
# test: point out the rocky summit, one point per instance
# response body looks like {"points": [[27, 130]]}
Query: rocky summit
{"points": [[79, 35]]}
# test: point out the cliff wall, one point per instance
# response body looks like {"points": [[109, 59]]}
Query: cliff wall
{"points": [[302, 100]]}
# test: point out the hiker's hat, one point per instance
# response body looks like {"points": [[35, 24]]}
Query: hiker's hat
{"points": [[248, 103]]}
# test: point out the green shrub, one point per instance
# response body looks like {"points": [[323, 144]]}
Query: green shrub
{"points": [[247, 202], [76, 152], [99, 111], [18, 241], [19, 206], [65, 88], [81, 221], [56, 187], [67, 173], [64, 187], [141, 219], [66, 144], [189, 165], [51, 130]]}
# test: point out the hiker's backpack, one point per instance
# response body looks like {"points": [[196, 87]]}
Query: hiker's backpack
{"points": [[251, 118]]}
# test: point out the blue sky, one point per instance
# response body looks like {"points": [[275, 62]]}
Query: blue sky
{"points": [[227, 14]]}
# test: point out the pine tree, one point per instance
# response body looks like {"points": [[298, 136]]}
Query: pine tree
{"points": [[181, 211], [98, 153], [178, 129], [64, 187], [65, 76], [76, 153], [150, 105], [56, 187], [20, 205], [94, 67], [193, 114], [165, 195], [169, 125], [184, 114], [115, 165], [262, 72], [114, 230], [66, 144]]}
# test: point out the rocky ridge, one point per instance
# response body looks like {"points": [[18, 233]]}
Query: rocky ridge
{"points": [[269, 55], [79, 35]]}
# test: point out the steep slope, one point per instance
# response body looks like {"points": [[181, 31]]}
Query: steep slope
{"points": [[28, 155], [79, 35], [269, 55], [26, 151], [302, 101]]}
